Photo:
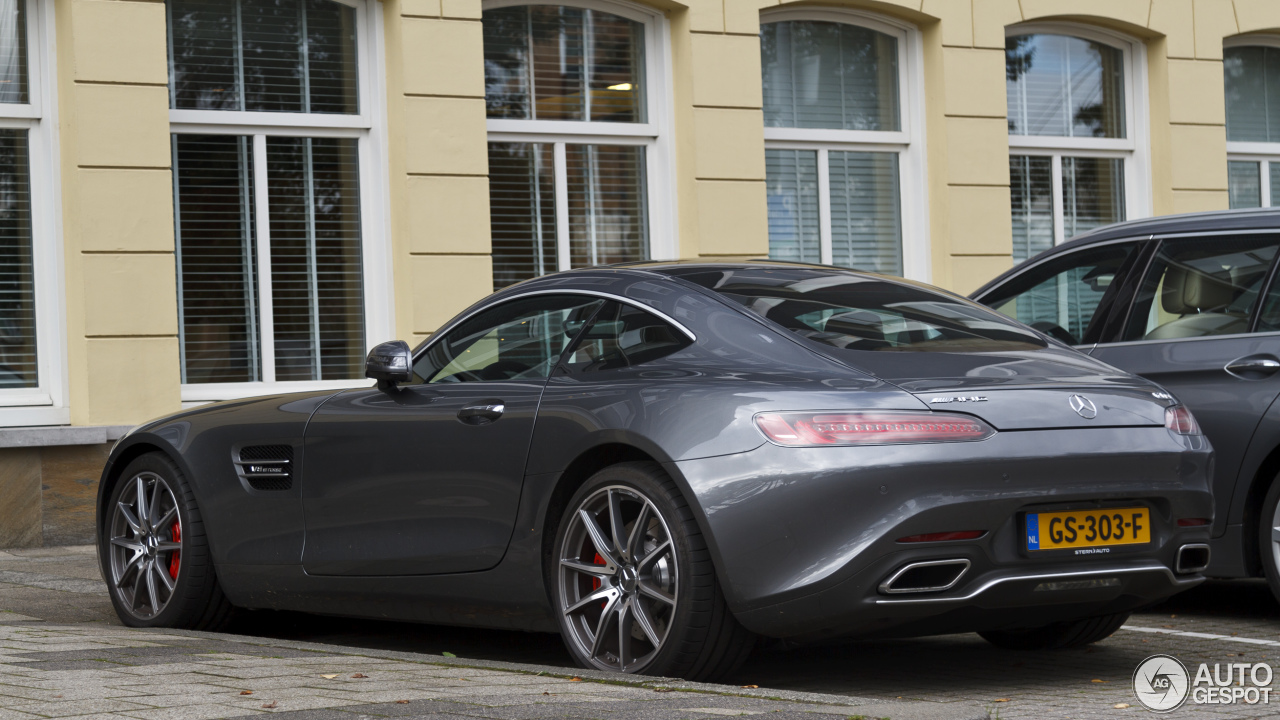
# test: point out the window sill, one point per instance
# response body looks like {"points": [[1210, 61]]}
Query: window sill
{"points": [[193, 395], [18, 437]]}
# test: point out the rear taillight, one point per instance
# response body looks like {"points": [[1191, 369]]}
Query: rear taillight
{"points": [[807, 429], [1180, 420]]}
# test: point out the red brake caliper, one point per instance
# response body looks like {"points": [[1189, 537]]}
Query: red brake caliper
{"points": [[176, 533], [595, 581]]}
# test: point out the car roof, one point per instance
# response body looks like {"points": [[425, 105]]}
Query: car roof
{"points": [[1248, 219]]}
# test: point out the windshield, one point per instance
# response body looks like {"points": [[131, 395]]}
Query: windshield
{"points": [[858, 312]]}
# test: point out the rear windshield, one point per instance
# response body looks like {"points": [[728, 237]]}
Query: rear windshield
{"points": [[857, 312]]}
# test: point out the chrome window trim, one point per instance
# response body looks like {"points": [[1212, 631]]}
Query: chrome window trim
{"points": [[1032, 263], [559, 291], [1232, 336]]}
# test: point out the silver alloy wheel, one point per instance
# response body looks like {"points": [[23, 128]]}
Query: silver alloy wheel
{"points": [[1275, 539], [146, 545], [618, 580]]}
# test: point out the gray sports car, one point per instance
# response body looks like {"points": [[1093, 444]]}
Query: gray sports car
{"points": [[663, 461]]}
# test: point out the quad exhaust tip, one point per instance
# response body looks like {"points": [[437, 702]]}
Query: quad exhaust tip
{"points": [[1192, 558], [925, 576]]}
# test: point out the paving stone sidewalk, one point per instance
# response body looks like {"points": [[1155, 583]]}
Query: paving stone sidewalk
{"points": [[97, 671]]}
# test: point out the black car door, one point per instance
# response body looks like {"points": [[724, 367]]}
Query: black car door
{"points": [[426, 478], [1191, 328]]}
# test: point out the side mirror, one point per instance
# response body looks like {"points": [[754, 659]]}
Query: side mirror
{"points": [[389, 363]]}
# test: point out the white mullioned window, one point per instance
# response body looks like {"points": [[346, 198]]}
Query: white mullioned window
{"points": [[576, 96], [32, 323], [282, 277], [1251, 75], [1077, 142], [844, 141]]}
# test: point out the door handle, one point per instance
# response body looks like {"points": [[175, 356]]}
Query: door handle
{"points": [[481, 414], [1253, 367]]}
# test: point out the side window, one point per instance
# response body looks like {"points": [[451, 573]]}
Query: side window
{"points": [[1064, 298], [519, 340], [1201, 286], [624, 336]]}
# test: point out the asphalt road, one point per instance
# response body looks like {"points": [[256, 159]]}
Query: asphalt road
{"points": [[1219, 622]]}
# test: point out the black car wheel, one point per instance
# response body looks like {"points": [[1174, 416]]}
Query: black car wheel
{"points": [[154, 552], [1269, 537], [1057, 636], [633, 582]]}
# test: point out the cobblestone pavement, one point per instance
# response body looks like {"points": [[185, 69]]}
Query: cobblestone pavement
{"points": [[1220, 622]]}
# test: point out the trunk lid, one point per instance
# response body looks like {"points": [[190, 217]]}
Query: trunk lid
{"points": [[1023, 390]]}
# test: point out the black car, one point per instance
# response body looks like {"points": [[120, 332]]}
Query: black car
{"points": [[663, 461], [1190, 302]]}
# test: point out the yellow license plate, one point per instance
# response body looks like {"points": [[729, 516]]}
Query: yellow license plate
{"points": [[1088, 528]]}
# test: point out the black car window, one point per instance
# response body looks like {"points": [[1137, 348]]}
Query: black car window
{"points": [[1201, 286], [859, 312], [622, 336], [520, 339], [1064, 297]]}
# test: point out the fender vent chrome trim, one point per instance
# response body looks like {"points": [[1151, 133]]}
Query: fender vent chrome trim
{"points": [[266, 467]]}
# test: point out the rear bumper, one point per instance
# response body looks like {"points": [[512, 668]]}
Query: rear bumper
{"points": [[805, 538]]}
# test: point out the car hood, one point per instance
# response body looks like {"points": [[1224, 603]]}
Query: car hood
{"points": [[1021, 389]]}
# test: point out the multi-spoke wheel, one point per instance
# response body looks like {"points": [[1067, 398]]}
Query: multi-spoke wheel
{"points": [[633, 582], [146, 545], [1269, 537], [154, 554]]}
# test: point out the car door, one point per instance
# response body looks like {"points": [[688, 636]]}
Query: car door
{"points": [[425, 478], [1194, 327], [1070, 297]]}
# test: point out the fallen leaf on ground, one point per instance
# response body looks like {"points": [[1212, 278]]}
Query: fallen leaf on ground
{"points": [[246, 692], [1099, 681], [329, 677], [1173, 616], [1001, 700], [575, 679], [664, 689], [751, 687], [448, 654], [544, 692], [1166, 626], [270, 705], [359, 675], [1120, 706], [402, 702]]}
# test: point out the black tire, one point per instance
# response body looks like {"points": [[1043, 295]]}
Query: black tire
{"points": [[703, 640], [196, 601], [1057, 636], [1268, 549]]}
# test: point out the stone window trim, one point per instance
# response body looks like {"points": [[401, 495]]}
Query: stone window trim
{"points": [[1133, 149], [653, 134], [368, 127], [1264, 156], [48, 402], [908, 142]]}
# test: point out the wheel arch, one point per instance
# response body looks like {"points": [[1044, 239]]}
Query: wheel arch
{"points": [[127, 451], [1260, 483]]}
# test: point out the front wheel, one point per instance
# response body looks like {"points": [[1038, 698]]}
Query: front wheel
{"points": [[633, 583], [1057, 636], [154, 552]]}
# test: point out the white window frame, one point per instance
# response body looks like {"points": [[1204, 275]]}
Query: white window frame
{"points": [[654, 135], [908, 142], [47, 403], [369, 130], [1134, 148], [1262, 153]]}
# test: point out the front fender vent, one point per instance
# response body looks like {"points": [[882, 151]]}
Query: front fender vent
{"points": [[266, 467]]}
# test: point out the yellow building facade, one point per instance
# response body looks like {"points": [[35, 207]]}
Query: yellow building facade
{"points": [[210, 199]]}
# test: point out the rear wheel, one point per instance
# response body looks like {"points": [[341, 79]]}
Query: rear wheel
{"points": [[1057, 636], [154, 552], [633, 582]]}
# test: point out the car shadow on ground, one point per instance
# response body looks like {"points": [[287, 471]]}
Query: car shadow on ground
{"points": [[927, 668]]}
